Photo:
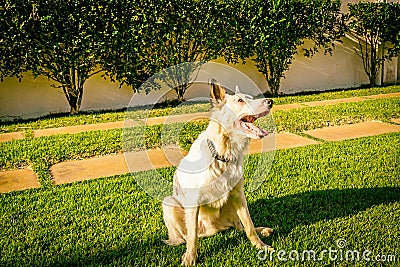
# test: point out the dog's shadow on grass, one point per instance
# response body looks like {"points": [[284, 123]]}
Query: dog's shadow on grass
{"points": [[285, 213], [288, 212]]}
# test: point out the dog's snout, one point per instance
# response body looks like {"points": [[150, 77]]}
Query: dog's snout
{"points": [[269, 102]]}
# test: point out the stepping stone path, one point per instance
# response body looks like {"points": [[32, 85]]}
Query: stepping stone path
{"points": [[73, 171], [5, 137], [177, 118], [334, 101], [383, 96], [396, 120], [338, 133], [92, 168], [278, 141], [78, 128], [18, 180], [87, 169]]}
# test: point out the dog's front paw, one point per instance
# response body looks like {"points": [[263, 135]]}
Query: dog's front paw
{"points": [[260, 245], [189, 258]]}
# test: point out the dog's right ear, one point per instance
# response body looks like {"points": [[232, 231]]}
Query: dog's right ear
{"points": [[217, 93]]}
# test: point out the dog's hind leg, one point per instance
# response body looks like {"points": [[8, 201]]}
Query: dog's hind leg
{"points": [[174, 218]]}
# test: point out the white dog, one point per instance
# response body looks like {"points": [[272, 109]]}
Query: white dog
{"points": [[208, 191]]}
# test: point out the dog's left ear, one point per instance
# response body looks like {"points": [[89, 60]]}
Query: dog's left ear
{"points": [[216, 91]]}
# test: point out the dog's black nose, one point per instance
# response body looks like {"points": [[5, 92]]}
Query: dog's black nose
{"points": [[269, 102]]}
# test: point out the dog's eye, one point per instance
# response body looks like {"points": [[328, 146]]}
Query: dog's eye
{"points": [[240, 100]]}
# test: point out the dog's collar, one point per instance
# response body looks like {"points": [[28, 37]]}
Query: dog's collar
{"points": [[214, 152]]}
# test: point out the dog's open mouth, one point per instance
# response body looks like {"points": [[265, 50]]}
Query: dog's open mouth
{"points": [[246, 124]]}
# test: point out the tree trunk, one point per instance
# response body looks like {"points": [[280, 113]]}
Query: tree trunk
{"points": [[180, 91], [74, 110], [274, 83], [372, 81], [273, 71], [274, 89], [374, 65], [74, 97], [373, 73], [73, 89]]}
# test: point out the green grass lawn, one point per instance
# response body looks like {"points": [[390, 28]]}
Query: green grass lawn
{"points": [[312, 197], [61, 120]]}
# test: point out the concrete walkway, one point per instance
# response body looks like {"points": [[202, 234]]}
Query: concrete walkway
{"points": [[72, 171], [92, 168], [97, 167], [368, 128], [18, 180], [5, 137]]}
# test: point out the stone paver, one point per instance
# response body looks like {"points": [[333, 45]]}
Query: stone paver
{"points": [[87, 169], [73, 171], [153, 159], [278, 141], [333, 101], [5, 137], [338, 133], [396, 120], [17, 180], [287, 106], [263, 145], [286, 140], [78, 129], [389, 95], [177, 118]]}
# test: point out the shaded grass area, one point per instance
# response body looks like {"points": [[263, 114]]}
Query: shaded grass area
{"points": [[61, 120], [312, 197]]}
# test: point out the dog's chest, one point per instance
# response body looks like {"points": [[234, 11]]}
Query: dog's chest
{"points": [[218, 190]]}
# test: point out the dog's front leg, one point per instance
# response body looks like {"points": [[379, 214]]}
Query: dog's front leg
{"points": [[191, 216], [240, 205]]}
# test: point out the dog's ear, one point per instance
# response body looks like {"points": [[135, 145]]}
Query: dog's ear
{"points": [[237, 89], [216, 92]]}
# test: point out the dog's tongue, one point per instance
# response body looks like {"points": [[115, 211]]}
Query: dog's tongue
{"points": [[256, 130]]}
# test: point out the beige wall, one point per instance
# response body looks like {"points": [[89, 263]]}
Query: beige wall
{"points": [[32, 98], [35, 97]]}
